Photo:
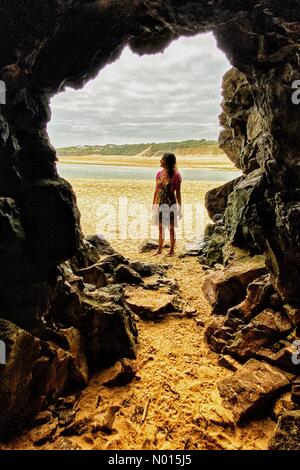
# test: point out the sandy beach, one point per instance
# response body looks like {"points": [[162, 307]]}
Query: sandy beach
{"points": [[217, 162]]}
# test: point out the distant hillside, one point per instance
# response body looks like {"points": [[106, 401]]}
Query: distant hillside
{"points": [[187, 147]]}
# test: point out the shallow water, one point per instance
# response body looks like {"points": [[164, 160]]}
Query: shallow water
{"points": [[68, 170]]}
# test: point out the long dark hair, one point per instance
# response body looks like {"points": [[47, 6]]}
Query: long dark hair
{"points": [[170, 160]]}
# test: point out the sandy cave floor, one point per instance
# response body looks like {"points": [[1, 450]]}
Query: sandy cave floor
{"points": [[177, 373], [176, 381]]}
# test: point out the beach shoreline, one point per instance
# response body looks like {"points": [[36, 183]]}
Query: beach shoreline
{"points": [[212, 162]]}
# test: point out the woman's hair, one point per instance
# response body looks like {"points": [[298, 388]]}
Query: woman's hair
{"points": [[170, 160]]}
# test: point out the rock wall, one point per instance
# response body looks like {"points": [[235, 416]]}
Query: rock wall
{"points": [[46, 46]]}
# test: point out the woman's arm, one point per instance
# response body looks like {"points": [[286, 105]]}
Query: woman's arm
{"points": [[155, 193], [178, 196]]}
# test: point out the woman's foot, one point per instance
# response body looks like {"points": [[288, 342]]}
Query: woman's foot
{"points": [[158, 252], [170, 253]]}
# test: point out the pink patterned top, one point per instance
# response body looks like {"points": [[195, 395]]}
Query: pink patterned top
{"points": [[162, 179]]}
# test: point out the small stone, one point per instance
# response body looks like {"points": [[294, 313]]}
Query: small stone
{"points": [[121, 373], [148, 245], [66, 417], [199, 322]]}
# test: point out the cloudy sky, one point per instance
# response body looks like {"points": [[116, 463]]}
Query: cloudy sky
{"points": [[170, 96]]}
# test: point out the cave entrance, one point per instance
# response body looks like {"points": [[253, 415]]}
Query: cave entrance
{"points": [[111, 135]]}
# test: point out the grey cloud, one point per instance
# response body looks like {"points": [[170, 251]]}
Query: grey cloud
{"points": [[169, 96]]}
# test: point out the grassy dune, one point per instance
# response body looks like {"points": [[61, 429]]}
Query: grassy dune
{"points": [[190, 154], [187, 147]]}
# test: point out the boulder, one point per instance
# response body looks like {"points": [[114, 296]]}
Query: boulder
{"points": [[148, 269], [280, 355], [86, 256], [126, 274], [35, 372], [250, 390], [121, 373], [102, 246], [216, 198], [148, 245], [226, 288], [150, 306], [108, 330], [78, 365], [111, 262], [93, 275], [265, 329]]}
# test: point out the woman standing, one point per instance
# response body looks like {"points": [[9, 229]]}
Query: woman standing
{"points": [[167, 200]]}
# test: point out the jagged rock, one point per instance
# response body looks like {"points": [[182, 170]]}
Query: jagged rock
{"points": [[242, 204], [150, 306], [50, 220], [224, 289], [211, 250], [280, 355], [192, 249], [86, 256], [287, 433], [121, 373], [216, 199], [102, 246], [78, 365], [93, 275], [265, 329], [126, 274], [250, 390], [148, 245], [148, 269], [258, 297], [108, 330], [111, 262], [34, 371]]}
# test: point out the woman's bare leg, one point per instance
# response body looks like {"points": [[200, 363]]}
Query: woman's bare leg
{"points": [[172, 241], [160, 240]]}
